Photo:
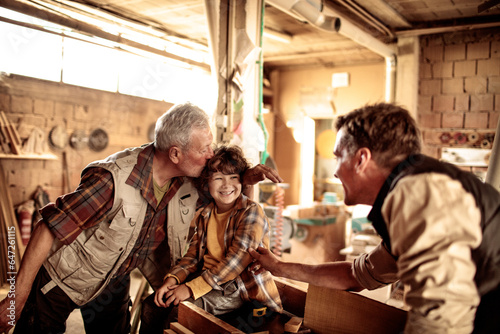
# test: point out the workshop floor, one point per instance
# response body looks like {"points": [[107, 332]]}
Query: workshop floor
{"points": [[74, 324]]}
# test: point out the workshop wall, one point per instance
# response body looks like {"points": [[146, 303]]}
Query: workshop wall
{"points": [[309, 92], [459, 95], [32, 103]]}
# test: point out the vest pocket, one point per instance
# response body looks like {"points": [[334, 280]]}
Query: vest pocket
{"points": [[187, 206], [102, 250], [77, 272]]}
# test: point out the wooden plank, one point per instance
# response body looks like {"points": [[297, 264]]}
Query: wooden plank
{"points": [[334, 311], [169, 331], [4, 139], [293, 297], [8, 223], [200, 321], [12, 135], [13, 130], [180, 329], [293, 325], [29, 156]]}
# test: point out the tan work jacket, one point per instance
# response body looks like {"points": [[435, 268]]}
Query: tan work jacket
{"points": [[83, 268]]}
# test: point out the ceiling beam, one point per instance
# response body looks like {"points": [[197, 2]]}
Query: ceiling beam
{"points": [[29, 8], [384, 12], [487, 5], [320, 54]]}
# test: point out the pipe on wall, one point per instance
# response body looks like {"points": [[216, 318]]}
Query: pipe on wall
{"points": [[493, 174], [312, 11]]}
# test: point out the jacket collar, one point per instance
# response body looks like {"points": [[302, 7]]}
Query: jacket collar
{"points": [[375, 215]]}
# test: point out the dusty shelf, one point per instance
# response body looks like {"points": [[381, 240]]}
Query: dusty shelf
{"points": [[46, 156]]}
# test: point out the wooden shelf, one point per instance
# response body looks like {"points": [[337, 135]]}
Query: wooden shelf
{"points": [[32, 156]]}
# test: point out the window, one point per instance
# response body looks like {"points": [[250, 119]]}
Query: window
{"points": [[61, 55]]}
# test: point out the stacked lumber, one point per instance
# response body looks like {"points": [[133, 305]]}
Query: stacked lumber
{"points": [[11, 245], [10, 142]]}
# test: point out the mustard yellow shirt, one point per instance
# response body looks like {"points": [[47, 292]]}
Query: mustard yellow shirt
{"points": [[215, 251]]}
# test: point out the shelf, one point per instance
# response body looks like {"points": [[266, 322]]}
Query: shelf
{"points": [[317, 221], [32, 156]]}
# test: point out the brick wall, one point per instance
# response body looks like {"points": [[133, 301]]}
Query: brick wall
{"points": [[459, 92], [30, 102]]}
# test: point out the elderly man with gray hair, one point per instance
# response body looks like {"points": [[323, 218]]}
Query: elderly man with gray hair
{"points": [[131, 210]]}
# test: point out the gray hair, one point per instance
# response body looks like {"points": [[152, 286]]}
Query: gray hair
{"points": [[174, 127]]}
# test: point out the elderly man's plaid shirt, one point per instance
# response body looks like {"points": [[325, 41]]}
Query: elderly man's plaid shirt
{"points": [[89, 203]]}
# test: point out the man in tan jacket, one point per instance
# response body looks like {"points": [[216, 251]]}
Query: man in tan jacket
{"points": [[440, 227]]}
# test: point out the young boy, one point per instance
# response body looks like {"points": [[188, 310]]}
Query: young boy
{"points": [[213, 273]]}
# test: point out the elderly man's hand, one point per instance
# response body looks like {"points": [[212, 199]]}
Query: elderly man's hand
{"points": [[7, 316], [259, 173]]}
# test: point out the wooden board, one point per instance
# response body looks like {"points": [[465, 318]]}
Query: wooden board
{"points": [[10, 234], [292, 297], [333, 311], [200, 321], [11, 133], [180, 329], [293, 325]]}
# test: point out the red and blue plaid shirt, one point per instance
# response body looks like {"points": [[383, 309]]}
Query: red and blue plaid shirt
{"points": [[88, 204]]}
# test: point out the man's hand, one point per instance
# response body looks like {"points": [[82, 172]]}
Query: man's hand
{"points": [[259, 173], [177, 295], [264, 260], [4, 316], [9, 316]]}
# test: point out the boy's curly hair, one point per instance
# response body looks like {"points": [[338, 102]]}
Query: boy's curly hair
{"points": [[227, 160]]}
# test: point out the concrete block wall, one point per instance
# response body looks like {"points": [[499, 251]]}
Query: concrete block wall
{"points": [[31, 103], [459, 91]]}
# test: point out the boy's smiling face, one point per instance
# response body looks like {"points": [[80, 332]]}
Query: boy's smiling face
{"points": [[225, 189]]}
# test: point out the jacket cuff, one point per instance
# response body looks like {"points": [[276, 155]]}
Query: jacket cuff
{"points": [[199, 287]]}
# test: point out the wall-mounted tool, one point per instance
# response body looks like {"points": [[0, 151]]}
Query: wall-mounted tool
{"points": [[58, 137], [79, 139], [98, 140]]}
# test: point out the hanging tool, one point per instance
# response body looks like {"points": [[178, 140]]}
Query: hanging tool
{"points": [[67, 187]]}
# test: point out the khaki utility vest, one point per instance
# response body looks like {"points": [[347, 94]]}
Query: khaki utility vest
{"points": [[84, 268]]}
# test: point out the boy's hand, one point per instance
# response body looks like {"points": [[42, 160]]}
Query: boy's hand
{"points": [[169, 284], [177, 295]]}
